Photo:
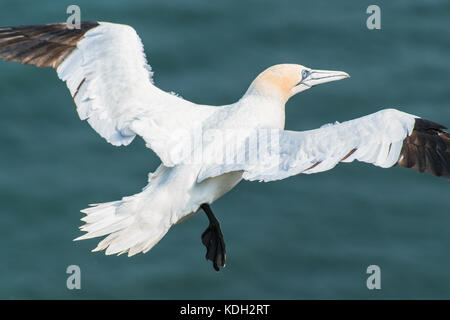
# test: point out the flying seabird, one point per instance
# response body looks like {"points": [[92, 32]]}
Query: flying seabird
{"points": [[105, 69]]}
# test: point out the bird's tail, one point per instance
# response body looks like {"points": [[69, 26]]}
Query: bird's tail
{"points": [[132, 225]]}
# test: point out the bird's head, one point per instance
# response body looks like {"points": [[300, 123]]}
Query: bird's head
{"points": [[282, 81]]}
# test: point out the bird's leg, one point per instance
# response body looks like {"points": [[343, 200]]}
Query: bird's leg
{"points": [[212, 238]]}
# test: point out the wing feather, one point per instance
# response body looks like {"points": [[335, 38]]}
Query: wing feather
{"points": [[107, 74], [384, 138]]}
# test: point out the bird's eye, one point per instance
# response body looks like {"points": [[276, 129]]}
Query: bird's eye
{"points": [[305, 74]]}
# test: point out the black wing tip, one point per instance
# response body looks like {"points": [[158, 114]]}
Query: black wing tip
{"points": [[60, 25], [41, 45], [424, 124], [427, 149]]}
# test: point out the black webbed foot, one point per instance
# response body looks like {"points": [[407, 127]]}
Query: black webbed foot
{"points": [[213, 240]]}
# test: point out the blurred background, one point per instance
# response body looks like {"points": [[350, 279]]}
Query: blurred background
{"points": [[307, 237]]}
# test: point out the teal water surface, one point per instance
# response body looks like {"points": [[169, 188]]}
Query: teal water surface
{"points": [[306, 237]]}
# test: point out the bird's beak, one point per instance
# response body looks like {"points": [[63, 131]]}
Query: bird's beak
{"points": [[323, 76], [315, 77]]}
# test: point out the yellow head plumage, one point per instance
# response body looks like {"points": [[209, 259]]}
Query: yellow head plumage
{"points": [[282, 81]]}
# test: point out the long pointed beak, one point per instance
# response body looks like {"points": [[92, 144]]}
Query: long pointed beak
{"points": [[323, 76]]}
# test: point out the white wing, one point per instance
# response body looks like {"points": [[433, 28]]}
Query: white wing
{"points": [[106, 71], [384, 139]]}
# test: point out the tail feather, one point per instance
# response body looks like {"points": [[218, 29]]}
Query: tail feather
{"points": [[128, 239], [128, 225], [102, 245], [103, 228]]}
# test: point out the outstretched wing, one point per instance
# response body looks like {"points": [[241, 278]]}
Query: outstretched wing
{"points": [[105, 69], [384, 138]]}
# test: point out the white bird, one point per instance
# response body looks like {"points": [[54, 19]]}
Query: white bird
{"points": [[105, 69]]}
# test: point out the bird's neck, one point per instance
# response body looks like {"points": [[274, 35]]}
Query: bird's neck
{"points": [[268, 91], [264, 111]]}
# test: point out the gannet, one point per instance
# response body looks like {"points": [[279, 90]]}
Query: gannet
{"points": [[106, 71]]}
